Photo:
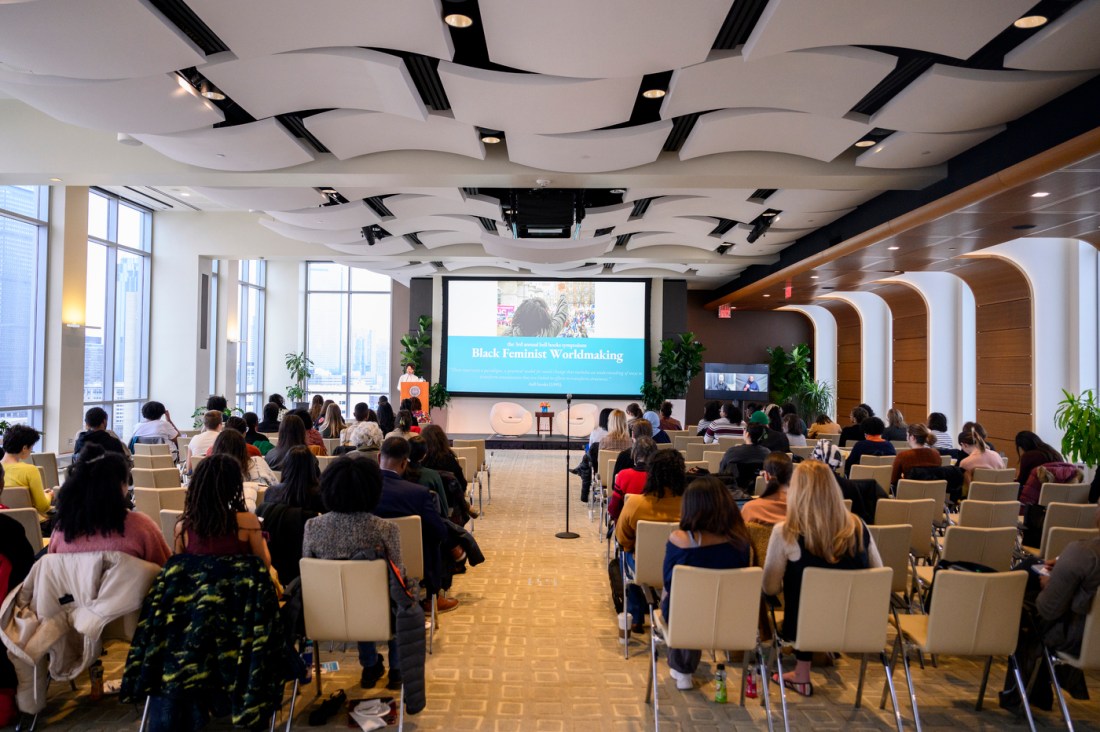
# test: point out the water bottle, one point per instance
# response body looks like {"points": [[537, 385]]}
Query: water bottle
{"points": [[95, 673], [307, 659], [720, 685], [750, 685]]}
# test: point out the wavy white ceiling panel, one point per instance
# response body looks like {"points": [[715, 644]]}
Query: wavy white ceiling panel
{"points": [[604, 216], [546, 251], [408, 205], [686, 225], [917, 149], [954, 99], [728, 208], [391, 246], [662, 238], [648, 266], [353, 192], [807, 219], [349, 133], [802, 199], [156, 104], [949, 27], [276, 199], [466, 224], [589, 271], [796, 133], [1067, 44], [437, 239], [92, 39], [735, 195], [314, 236], [827, 81], [348, 78], [756, 250], [609, 38], [455, 266], [598, 151], [716, 270], [402, 272], [354, 215], [263, 145], [263, 27], [535, 103]]}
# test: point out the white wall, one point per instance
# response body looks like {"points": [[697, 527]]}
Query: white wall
{"points": [[825, 347], [876, 368]]}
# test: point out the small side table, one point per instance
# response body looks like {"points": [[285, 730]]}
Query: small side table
{"points": [[549, 417]]}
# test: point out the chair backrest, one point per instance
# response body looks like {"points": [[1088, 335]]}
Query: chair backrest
{"points": [[988, 514], [682, 441], [649, 552], [608, 469], [726, 442], [168, 520], [331, 443], [665, 446], [151, 501], [154, 462], [42, 475], [918, 514], [892, 543], [713, 459], [975, 613], [1067, 515], [714, 608], [412, 545], [1061, 536], [156, 478], [833, 437], [689, 464], [844, 610], [48, 462], [914, 490], [1063, 493], [479, 444], [878, 473], [986, 491], [802, 451], [463, 464], [989, 547], [195, 460], [28, 519], [946, 460], [760, 484], [900, 444], [160, 448], [16, 497], [876, 460], [470, 453], [346, 599], [994, 475], [847, 504], [323, 461]]}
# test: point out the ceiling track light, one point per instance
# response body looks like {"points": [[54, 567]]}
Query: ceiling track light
{"points": [[1031, 21], [865, 143], [490, 139], [654, 93], [458, 20], [759, 228], [210, 91]]}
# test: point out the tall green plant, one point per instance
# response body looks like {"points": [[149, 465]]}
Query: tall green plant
{"points": [[681, 358], [438, 396], [413, 345], [1079, 419], [813, 398], [788, 371], [300, 368], [652, 396]]}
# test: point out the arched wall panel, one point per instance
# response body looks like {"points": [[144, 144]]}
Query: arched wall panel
{"points": [[849, 357], [910, 364]]}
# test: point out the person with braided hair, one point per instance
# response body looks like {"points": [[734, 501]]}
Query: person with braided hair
{"points": [[253, 468]]}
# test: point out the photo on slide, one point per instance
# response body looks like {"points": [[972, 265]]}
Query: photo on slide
{"points": [[545, 309]]}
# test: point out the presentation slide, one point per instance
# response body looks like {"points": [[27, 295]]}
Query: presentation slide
{"points": [[545, 337]]}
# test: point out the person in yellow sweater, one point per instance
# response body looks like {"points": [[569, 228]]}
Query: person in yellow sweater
{"points": [[18, 441], [659, 501]]}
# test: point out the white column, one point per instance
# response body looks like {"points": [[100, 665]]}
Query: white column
{"points": [[283, 322], [65, 305], [825, 348], [229, 333], [179, 368], [877, 347]]}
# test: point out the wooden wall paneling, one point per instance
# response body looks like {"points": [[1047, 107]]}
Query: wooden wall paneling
{"points": [[849, 337], [910, 347]]}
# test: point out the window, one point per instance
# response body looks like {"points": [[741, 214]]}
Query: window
{"points": [[212, 325], [348, 333], [250, 350], [116, 333], [23, 216]]}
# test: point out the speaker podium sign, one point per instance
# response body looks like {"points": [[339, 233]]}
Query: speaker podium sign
{"points": [[418, 389]]}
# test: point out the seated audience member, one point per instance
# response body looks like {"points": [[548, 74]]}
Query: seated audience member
{"points": [[402, 498], [316, 410], [1048, 473], [752, 452], [404, 425], [770, 507], [254, 469], [353, 433], [215, 520], [93, 511], [313, 437], [895, 426], [867, 408], [351, 491], [937, 425], [871, 444], [270, 423], [385, 415], [253, 436], [980, 431], [823, 425], [301, 481], [217, 403], [773, 439], [286, 508], [712, 410], [638, 429], [418, 473], [793, 429], [292, 434], [921, 452], [632, 480], [96, 433], [334, 425], [617, 437], [279, 401], [659, 435], [789, 409], [727, 425], [156, 425], [238, 424], [19, 440], [584, 468], [369, 438], [201, 443], [601, 427], [819, 532], [712, 535], [667, 422], [1032, 453], [439, 455], [660, 501], [633, 411], [978, 455], [854, 432]]}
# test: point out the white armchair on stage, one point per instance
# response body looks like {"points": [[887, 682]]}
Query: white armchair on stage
{"points": [[509, 418], [582, 420]]}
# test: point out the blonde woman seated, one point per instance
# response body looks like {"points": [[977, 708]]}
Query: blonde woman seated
{"points": [[712, 535], [818, 532], [770, 507]]}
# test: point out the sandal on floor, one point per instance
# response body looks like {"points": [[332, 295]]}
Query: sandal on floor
{"points": [[805, 688]]}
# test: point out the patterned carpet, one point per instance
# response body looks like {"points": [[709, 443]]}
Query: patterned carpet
{"points": [[534, 646]]}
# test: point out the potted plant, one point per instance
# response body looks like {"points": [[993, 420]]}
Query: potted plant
{"points": [[788, 371], [438, 399], [413, 345], [680, 360], [813, 398], [300, 368], [1079, 419], [196, 416]]}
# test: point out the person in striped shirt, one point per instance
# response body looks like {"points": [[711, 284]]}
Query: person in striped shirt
{"points": [[728, 425]]}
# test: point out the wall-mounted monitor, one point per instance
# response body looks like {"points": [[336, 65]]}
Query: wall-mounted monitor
{"points": [[736, 381]]}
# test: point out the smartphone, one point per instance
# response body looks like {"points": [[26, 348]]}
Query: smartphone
{"points": [[1041, 569]]}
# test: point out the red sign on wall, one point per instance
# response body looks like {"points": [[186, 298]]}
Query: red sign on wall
{"points": [[723, 311]]}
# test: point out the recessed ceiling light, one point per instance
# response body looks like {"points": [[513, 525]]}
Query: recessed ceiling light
{"points": [[458, 20], [211, 92], [813, 277], [1031, 21], [893, 249], [490, 139], [55, 180], [865, 143], [1040, 194], [766, 295], [653, 93], [185, 194], [769, 214]]}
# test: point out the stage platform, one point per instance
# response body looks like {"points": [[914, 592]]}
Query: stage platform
{"points": [[524, 442]]}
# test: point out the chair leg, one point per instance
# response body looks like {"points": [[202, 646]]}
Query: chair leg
{"points": [[912, 692], [893, 663], [782, 687], [626, 613], [744, 674], [401, 709], [762, 666], [1015, 666], [1057, 689], [317, 667], [985, 680], [293, 700], [862, 674], [145, 714], [653, 667], [894, 693]]}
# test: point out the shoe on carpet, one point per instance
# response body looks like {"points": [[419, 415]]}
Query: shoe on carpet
{"points": [[370, 676], [444, 604], [802, 688], [328, 707], [684, 682]]}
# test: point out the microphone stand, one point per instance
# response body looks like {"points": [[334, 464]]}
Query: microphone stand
{"points": [[567, 534]]}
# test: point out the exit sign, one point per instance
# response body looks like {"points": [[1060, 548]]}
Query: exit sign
{"points": [[724, 311]]}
